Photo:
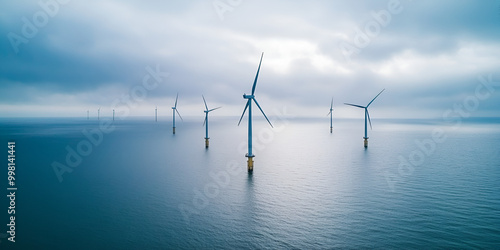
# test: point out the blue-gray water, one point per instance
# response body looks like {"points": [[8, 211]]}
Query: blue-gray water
{"points": [[144, 188]]}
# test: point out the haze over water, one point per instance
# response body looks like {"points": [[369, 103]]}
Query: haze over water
{"points": [[143, 187]]}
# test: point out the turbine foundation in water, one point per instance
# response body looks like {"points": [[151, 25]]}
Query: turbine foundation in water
{"points": [[250, 163]]}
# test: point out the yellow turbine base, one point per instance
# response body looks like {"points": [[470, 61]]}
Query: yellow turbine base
{"points": [[173, 130], [331, 129], [250, 164], [206, 142], [366, 143]]}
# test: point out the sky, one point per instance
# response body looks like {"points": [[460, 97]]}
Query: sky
{"points": [[64, 57]]}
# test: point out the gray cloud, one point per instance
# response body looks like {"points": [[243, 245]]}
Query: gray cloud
{"points": [[428, 56]]}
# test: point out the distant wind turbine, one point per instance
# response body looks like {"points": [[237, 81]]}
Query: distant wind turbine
{"points": [[331, 116], [367, 117], [113, 114], [88, 117], [174, 109], [251, 98], [206, 120], [98, 112], [156, 114]]}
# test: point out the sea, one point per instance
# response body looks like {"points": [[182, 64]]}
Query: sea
{"points": [[133, 184]]}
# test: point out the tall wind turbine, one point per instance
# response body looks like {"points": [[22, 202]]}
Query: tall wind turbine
{"points": [[367, 116], [113, 114], [88, 117], [98, 112], [156, 114], [331, 116], [251, 98], [174, 109], [206, 120]]}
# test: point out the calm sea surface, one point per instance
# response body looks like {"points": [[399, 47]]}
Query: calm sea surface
{"points": [[141, 187]]}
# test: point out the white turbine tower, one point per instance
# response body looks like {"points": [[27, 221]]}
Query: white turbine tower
{"points": [[251, 98], [367, 117], [174, 109], [331, 116], [206, 120]]}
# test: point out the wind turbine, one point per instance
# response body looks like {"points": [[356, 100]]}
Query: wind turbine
{"points": [[88, 117], [174, 109], [331, 116], [113, 114], [156, 114], [367, 117], [98, 112], [206, 120], [251, 98]]}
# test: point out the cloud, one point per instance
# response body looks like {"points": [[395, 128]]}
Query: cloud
{"points": [[428, 56]]}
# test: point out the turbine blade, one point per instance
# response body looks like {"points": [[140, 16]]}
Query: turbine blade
{"points": [[204, 121], [176, 100], [368, 114], [179, 114], [246, 106], [205, 102], [214, 109], [331, 106], [262, 112], [257, 76], [354, 105], [329, 113], [375, 98]]}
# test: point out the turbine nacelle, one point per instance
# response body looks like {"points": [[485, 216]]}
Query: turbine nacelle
{"points": [[245, 96]]}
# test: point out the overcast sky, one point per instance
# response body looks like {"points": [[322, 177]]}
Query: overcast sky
{"points": [[64, 57]]}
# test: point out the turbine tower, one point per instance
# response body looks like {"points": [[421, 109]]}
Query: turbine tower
{"points": [[251, 98], [174, 109], [113, 114], [88, 117], [98, 112], [156, 114], [331, 117], [367, 117], [206, 120]]}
